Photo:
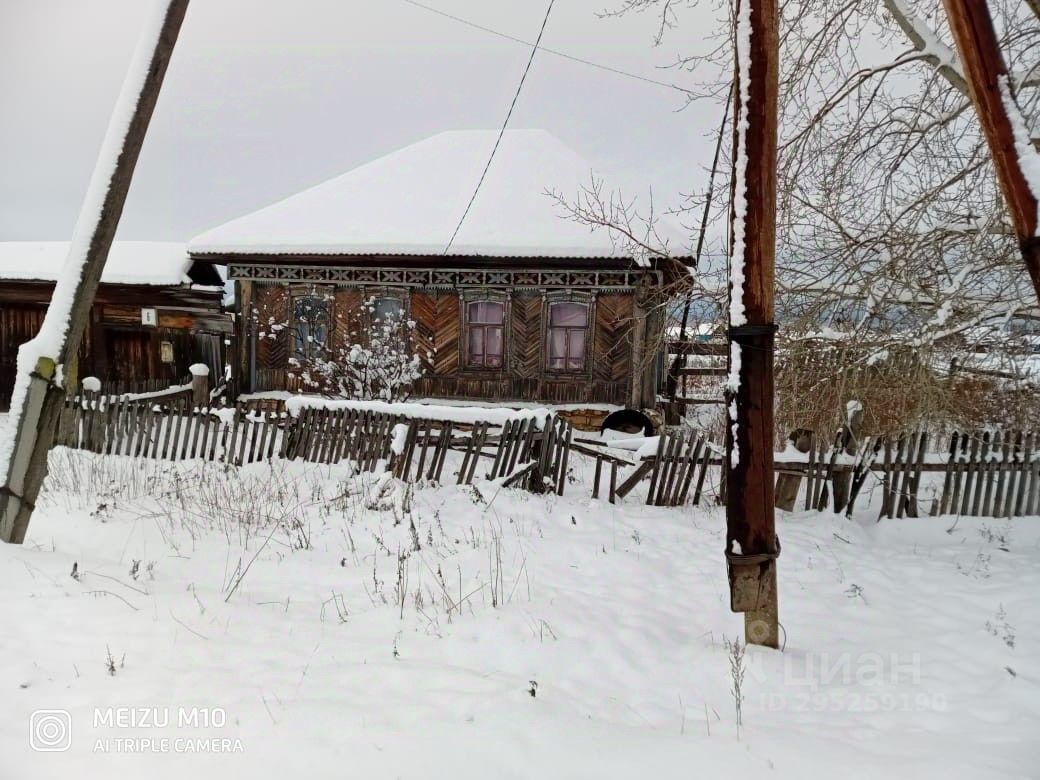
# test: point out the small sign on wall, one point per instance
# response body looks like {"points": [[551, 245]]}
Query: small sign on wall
{"points": [[165, 350], [149, 317]]}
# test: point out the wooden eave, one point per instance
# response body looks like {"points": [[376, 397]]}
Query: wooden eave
{"points": [[476, 262], [169, 296]]}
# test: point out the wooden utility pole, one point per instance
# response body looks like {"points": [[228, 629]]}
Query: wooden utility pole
{"points": [[36, 416], [751, 543], [990, 87]]}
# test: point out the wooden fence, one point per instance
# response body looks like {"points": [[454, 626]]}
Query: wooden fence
{"points": [[679, 463], [986, 473], [521, 452], [990, 473], [982, 473]]}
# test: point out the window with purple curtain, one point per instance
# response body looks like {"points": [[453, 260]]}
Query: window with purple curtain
{"points": [[568, 331], [485, 321]]}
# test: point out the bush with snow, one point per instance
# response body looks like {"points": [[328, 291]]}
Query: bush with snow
{"points": [[366, 356]]}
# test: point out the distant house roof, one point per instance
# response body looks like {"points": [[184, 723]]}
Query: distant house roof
{"points": [[155, 263], [410, 201]]}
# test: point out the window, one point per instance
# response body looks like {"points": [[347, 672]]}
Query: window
{"points": [[568, 332], [387, 309], [484, 329], [310, 325]]}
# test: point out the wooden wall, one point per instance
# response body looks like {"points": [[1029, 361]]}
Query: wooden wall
{"points": [[116, 347], [438, 335]]}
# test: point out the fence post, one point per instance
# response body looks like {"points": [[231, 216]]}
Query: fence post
{"points": [[199, 384], [91, 386], [788, 482], [850, 438]]}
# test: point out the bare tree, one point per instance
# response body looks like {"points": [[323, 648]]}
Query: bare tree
{"points": [[892, 237]]}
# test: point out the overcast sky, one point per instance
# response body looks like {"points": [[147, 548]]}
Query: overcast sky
{"points": [[266, 97]]}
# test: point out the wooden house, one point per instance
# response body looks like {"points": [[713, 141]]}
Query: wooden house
{"points": [[518, 303], [157, 311]]}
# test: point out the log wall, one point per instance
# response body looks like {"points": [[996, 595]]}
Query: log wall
{"points": [[439, 337], [117, 347]]}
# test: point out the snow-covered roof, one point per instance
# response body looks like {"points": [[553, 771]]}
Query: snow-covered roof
{"points": [[410, 201], [129, 262]]}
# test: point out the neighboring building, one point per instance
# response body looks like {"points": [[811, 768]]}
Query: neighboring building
{"points": [[157, 311], [523, 305]]}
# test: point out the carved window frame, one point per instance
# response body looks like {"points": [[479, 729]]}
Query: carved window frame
{"points": [[327, 294], [588, 299], [477, 295]]}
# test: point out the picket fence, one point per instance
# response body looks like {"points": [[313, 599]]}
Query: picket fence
{"points": [[521, 452], [679, 463], [983, 473]]}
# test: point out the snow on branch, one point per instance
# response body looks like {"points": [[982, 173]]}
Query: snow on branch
{"points": [[938, 54]]}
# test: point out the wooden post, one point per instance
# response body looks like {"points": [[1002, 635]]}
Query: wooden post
{"points": [[751, 544], [242, 374], [91, 386], [990, 87], [788, 482], [635, 396], [199, 384], [40, 407], [850, 438]]}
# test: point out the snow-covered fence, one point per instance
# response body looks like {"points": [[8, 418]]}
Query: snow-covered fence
{"points": [[519, 448], [985, 473], [982, 473], [144, 388], [525, 447], [522, 453], [992, 473], [675, 463], [174, 429]]}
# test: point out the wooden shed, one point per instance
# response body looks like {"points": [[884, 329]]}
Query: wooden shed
{"points": [[157, 311], [517, 304]]}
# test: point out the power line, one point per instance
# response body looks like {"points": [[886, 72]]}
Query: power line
{"points": [[556, 52], [505, 123]]}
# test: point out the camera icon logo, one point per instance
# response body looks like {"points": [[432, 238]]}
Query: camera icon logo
{"points": [[50, 731]]}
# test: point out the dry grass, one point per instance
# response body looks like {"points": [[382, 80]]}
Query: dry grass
{"points": [[900, 390]]}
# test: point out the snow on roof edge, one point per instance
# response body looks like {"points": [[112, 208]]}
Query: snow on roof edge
{"points": [[382, 250], [140, 263]]}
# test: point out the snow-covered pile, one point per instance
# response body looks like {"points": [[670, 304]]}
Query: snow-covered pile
{"points": [[293, 620]]}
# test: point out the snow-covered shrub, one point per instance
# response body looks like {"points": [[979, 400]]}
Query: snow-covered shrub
{"points": [[366, 355], [383, 366]]}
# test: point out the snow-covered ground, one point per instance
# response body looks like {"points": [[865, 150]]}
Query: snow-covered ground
{"points": [[280, 621]]}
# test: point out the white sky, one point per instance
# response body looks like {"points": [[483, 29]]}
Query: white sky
{"points": [[267, 97]]}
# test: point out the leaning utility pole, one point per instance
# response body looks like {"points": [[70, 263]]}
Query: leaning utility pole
{"points": [[751, 543], [43, 363], [1006, 132]]}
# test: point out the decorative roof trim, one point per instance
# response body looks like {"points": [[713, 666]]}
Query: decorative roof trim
{"points": [[448, 278]]}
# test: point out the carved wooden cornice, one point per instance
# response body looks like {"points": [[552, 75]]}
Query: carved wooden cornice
{"points": [[449, 278]]}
